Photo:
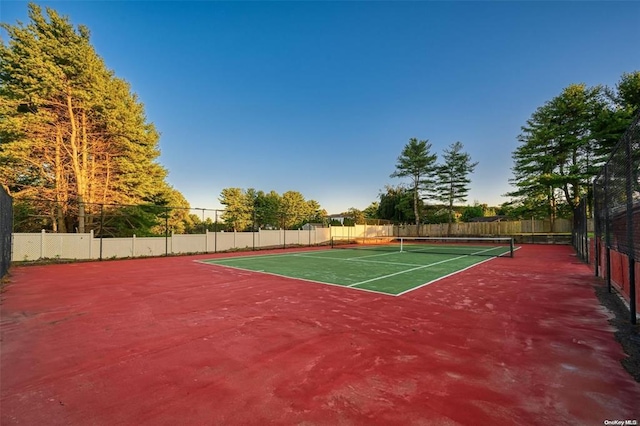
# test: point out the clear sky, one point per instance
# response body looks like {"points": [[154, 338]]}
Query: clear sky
{"points": [[320, 97]]}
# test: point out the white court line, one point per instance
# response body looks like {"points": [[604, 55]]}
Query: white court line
{"points": [[443, 277], [211, 261], [375, 255], [351, 286], [357, 259], [417, 268], [241, 257], [302, 279]]}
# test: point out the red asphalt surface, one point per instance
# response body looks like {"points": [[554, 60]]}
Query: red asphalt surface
{"points": [[170, 341]]}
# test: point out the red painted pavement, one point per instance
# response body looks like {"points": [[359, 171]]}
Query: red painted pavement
{"points": [[169, 341]]}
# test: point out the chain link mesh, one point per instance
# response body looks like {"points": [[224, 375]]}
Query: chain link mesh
{"points": [[6, 226], [617, 196]]}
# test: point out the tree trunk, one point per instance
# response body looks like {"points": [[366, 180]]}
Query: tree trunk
{"points": [[77, 158]]}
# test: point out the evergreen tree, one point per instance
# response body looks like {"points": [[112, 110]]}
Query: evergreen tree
{"points": [[452, 181], [558, 155], [566, 141], [418, 164], [72, 133]]}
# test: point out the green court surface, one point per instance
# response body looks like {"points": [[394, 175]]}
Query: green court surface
{"points": [[388, 272]]}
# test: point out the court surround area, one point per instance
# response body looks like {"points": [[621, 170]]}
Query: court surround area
{"points": [[165, 341]]}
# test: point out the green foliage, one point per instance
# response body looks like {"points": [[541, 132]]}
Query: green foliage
{"points": [[267, 209], [26, 217], [126, 221], [238, 208], [251, 209], [418, 164], [452, 178], [353, 216], [564, 144], [371, 212], [471, 212], [71, 132], [438, 214], [397, 205]]}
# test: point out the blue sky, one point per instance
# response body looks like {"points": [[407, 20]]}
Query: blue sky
{"points": [[321, 97]]}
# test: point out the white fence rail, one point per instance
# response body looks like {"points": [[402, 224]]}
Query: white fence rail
{"points": [[43, 245]]}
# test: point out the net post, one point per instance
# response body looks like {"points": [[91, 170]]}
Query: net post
{"points": [[511, 246], [401, 243]]}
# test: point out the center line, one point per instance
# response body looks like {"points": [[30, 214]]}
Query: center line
{"points": [[415, 269]]}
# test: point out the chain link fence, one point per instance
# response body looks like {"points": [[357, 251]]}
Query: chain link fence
{"points": [[579, 231], [617, 215], [6, 224]]}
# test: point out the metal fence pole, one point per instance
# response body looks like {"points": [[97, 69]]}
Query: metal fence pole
{"points": [[166, 231], [6, 231], [101, 227], [630, 229], [607, 229]]}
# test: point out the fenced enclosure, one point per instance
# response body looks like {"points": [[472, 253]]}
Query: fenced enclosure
{"points": [[48, 245], [101, 231], [617, 216], [6, 224], [580, 231], [523, 231]]}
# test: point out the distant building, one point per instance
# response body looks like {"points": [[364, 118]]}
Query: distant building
{"points": [[312, 226], [487, 219]]}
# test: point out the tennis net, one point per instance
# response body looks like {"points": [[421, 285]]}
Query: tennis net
{"points": [[472, 246]]}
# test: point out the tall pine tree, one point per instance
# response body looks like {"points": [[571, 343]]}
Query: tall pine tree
{"points": [[417, 163], [72, 133], [566, 141], [452, 181]]}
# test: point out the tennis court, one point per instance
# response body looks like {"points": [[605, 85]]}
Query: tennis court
{"points": [[392, 266], [173, 341]]}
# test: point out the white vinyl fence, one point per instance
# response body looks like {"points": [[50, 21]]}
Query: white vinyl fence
{"points": [[43, 245]]}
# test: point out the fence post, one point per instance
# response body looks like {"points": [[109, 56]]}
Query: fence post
{"points": [[596, 231], [101, 224], [91, 244], [632, 263], [607, 225], [166, 232], [42, 234]]}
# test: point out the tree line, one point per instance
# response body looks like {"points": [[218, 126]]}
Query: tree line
{"points": [[564, 144], [75, 142], [253, 209], [72, 134]]}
